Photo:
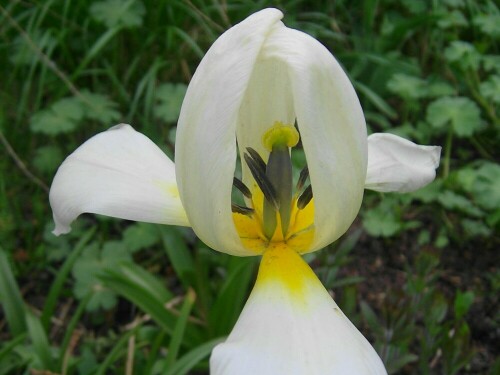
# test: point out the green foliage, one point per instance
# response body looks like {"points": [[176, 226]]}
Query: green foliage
{"points": [[89, 266], [10, 297], [118, 13], [84, 303], [169, 97], [62, 117], [460, 113]]}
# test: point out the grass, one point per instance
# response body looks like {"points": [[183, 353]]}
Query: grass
{"points": [[417, 273]]}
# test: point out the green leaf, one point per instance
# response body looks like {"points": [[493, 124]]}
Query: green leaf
{"points": [[464, 54], [375, 99], [453, 201], [140, 277], [454, 3], [146, 299], [87, 362], [139, 236], [9, 346], [454, 19], [180, 327], [485, 187], [491, 63], [232, 295], [489, 24], [70, 327], [61, 117], [48, 158], [382, 220], [178, 254], [90, 266], [460, 112], [23, 53], [482, 183], [118, 13], [116, 352], [169, 97], [10, 298], [415, 7], [371, 318], [439, 88], [491, 88], [99, 107], [475, 228], [193, 357], [407, 87], [40, 341], [463, 302], [62, 275]]}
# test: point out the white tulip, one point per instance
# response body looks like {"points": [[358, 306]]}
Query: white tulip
{"points": [[255, 83]]}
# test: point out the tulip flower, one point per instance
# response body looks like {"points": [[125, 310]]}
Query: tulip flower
{"points": [[261, 90]]}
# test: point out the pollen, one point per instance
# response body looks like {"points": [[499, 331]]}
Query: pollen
{"points": [[280, 135]]}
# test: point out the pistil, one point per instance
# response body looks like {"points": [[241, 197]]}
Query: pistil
{"points": [[279, 173]]}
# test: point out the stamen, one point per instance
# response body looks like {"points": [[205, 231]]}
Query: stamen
{"points": [[241, 209], [238, 184], [305, 198], [261, 164], [304, 174], [262, 180]]}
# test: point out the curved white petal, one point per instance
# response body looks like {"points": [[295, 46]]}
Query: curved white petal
{"points": [[205, 151], [120, 173], [268, 99], [396, 164], [332, 129], [291, 326]]}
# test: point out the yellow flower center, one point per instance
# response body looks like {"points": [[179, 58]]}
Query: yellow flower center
{"points": [[288, 221]]}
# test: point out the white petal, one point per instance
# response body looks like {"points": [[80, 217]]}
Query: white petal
{"points": [[396, 164], [332, 128], [268, 99], [119, 173], [205, 150], [293, 328]]}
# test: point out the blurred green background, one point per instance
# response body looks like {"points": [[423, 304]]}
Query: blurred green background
{"points": [[417, 273]]}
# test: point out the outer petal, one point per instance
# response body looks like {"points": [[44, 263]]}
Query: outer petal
{"points": [[332, 129], [206, 135], [396, 164], [291, 326], [119, 173]]}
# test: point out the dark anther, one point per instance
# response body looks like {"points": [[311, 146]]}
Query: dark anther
{"points": [[305, 198], [238, 184], [241, 209], [304, 174], [264, 184], [257, 158]]}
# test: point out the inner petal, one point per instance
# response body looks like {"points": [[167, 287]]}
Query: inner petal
{"points": [[268, 99]]}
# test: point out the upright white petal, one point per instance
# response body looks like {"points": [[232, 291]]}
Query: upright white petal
{"points": [[291, 326], [119, 173], [206, 134], [396, 164], [268, 99], [332, 128]]}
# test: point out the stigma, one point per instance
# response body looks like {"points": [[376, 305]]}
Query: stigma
{"points": [[277, 212]]}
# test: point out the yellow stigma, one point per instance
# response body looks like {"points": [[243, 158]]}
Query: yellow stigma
{"points": [[280, 135]]}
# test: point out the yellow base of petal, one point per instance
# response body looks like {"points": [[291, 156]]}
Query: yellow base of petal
{"points": [[300, 231], [282, 265]]}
